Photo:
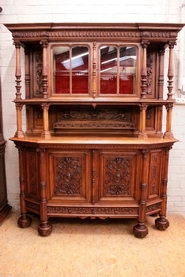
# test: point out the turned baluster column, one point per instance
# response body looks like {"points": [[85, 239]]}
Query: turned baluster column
{"points": [[24, 220], [142, 131], [168, 134], [18, 70], [144, 70], [44, 228], [44, 70], [161, 73], [170, 70], [45, 132], [94, 70], [161, 222], [19, 133], [140, 230]]}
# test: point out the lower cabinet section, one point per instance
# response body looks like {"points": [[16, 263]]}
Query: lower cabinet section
{"points": [[93, 180]]}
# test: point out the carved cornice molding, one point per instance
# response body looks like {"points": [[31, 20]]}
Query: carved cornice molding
{"points": [[52, 34]]}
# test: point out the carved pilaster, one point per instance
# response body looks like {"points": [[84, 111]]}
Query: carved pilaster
{"points": [[140, 230], [24, 220], [44, 228]]}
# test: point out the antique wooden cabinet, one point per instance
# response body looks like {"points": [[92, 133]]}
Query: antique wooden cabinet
{"points": [[94, 144], [5, 208]]}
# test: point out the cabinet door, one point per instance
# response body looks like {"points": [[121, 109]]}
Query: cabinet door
{"points": [[70, 176], [119, 177]]}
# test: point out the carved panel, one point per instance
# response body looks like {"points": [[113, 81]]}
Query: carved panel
{"points": [[68, 174], [97, 211], [93, 119], [37, 73], [117, 176], [32, 173], [154, 172]]}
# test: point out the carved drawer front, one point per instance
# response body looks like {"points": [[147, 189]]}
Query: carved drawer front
{"points": [[70, 176], [119, 176]]}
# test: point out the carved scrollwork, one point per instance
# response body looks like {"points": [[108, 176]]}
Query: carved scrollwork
{"points": [[95, 210], [117, 177], [68, 176]]}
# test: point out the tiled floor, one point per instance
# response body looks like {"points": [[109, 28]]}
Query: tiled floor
{"points": [[92, 248]]}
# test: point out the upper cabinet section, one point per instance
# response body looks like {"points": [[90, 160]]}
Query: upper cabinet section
{"points": [[94, 62]]}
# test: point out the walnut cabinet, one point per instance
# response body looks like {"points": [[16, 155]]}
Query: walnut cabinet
{"points": [[94, 100]]}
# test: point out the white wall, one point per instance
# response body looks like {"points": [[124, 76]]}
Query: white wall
{"points": [[19, 11]]}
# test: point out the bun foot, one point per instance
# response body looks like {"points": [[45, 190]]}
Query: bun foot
{"points": [[45, 229], [162, 223], [24, 221], [140, 230]]}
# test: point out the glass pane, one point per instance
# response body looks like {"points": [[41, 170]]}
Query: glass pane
{"points": [[117, 70], [79, 67], [127, 70], [108, 70], [61, 69]]}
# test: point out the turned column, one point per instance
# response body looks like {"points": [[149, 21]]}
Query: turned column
{"points": [[44, 69], [140, 230], [94, 70], [144, 70], [168, 134], [170, 71], [161, 222], [24, 220], [19, 133], [45, 133], [44, 228], [161, 73], [142, 123]]}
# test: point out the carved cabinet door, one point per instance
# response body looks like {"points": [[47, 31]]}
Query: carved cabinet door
{"points": [[70, 176], [119, 176]]}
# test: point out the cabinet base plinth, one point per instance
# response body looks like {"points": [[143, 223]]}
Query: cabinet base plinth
{"points": [[140, 230], [45, 229], [162, 223], [24, 221]]}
